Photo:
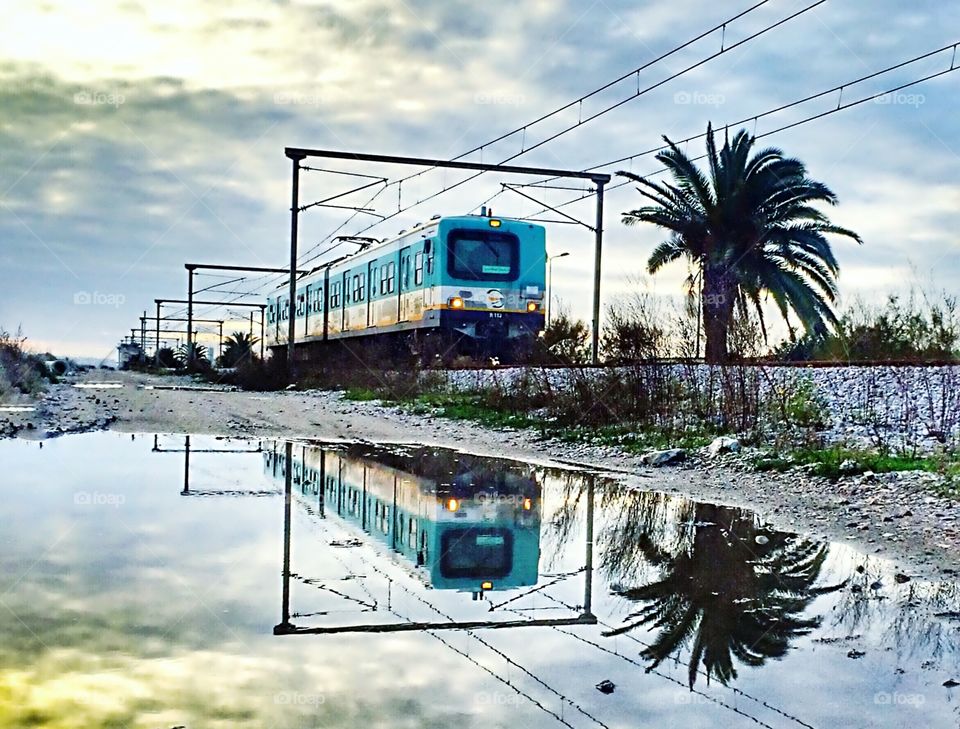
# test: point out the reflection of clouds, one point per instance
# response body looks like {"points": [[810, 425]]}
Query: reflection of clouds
{"points": [[901, 617], [275, 687]]}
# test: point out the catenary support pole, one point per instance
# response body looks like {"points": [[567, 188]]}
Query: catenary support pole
{"points": [[294, 220], [598, 250], [189, 315]]}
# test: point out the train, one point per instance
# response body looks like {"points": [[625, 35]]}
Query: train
{"points": [[469, 285], [458, 523]]}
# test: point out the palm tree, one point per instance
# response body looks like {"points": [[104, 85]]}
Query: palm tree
{"points": [[749, 229], [726, 594], [191, 355], [237, 348]]}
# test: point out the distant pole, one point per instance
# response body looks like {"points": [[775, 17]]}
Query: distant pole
{"points": [[156, 352], [251, 325], [220, 346], [263, 327], [550, 283], [598, 229], [294, 215], [189, 313], [143, 332]]}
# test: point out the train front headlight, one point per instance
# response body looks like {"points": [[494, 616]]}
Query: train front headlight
{"points": [[452, 505], [532, 306], [455, 302]]}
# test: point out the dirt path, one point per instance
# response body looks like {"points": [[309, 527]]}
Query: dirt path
{"points": [[901, 521]]}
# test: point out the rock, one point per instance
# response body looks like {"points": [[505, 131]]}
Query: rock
{"points": [[723, 444], [607, 686], [849, 467], [900, 578], [855, 654], [950, 683], [668, 457]]}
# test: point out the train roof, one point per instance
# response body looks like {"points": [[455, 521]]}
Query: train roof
{"points": [[435, 220]]}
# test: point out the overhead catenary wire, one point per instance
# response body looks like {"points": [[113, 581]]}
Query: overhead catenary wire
{"points": [[582, 121], [785, 127]]}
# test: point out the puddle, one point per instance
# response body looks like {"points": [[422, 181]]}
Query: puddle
{"points": [[98, 385], [191, 388], [171, 580]]}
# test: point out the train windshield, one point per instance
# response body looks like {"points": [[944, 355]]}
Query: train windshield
{"points": [[476, 552], [486, 255]]}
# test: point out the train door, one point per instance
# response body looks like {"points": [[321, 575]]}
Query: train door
{"points": [[306, 309], [404, 284], [344, 300], [372, 317]]}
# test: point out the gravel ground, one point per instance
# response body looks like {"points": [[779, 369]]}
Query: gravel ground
{"points": [[894, 515]]}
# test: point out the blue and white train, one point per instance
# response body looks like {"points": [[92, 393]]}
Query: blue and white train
{"points": [[473, 283]]}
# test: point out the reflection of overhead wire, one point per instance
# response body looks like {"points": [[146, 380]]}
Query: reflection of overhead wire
{"points": [[321, 586], [544, 586], [734, 689], [486, 644]]}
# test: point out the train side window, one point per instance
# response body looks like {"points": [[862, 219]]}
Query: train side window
{"points": [[363, 286], [418, 269], [405, 273], [300, 304], [428, 249], [373, 281], [391, 277]]}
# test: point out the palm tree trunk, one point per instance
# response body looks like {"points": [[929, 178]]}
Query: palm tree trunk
{"points": [[717, 306]]}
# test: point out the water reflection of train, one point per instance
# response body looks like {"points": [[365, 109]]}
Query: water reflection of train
{"points": [[465, 523]]}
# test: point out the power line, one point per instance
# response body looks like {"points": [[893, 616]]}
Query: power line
{"points": [[814, 117], [780, 108]]}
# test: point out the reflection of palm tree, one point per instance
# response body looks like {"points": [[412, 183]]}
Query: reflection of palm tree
{"points": [[728, 594]]}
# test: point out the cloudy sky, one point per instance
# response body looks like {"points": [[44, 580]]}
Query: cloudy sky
{"points": [[136, 136]]}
